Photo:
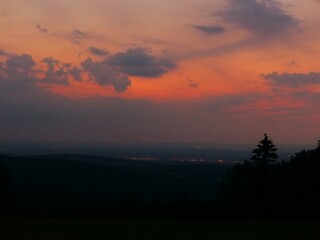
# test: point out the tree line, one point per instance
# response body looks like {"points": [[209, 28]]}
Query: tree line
{"points": [[263, 188]]}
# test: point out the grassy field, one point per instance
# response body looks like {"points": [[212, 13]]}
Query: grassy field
{"points": [[63, 229]]}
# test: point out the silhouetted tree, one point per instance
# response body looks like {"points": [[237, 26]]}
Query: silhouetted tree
{"points": [[265, 153], [250, 187]]}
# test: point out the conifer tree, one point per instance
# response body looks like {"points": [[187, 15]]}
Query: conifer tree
{"points": [[265, 153]]}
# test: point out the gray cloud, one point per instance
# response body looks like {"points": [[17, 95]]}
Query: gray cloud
{"points": [[97, 51], [293, 79], [42, 29], [56, 72], [264, 18], [51, 63], [18, 65], [111, 71], [22, 68], [210, 29], [77, 36], [76, 73], [137, 62], [106, 75]]}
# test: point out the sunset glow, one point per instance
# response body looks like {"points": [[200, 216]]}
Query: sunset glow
{"points": [[105, 71]]}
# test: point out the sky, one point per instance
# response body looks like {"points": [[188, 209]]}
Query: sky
{"points": [[159, 71]]}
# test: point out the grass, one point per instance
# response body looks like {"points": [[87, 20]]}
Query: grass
{"points": [[63, 229]]}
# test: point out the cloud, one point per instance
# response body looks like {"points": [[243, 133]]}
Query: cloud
{"points": [[137, 62], [76, 73], [106, 75], [113, 71], [293, 79], [209, 30], [42, 29], [97, 51], [292, 63], [264, 18], [22, 68], [56, 72], [18, 65], [77, 36]]}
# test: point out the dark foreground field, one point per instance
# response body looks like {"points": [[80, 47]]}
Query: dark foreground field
{"points": [[58, 229], [74, 185]]}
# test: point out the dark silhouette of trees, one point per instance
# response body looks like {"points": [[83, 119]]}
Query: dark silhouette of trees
{"points": [[303, 183], [249, 186], [265, 153], [4, 191], [264, 189]]}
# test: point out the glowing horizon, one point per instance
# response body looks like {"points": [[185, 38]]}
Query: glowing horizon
{"points": [[168, 70]]}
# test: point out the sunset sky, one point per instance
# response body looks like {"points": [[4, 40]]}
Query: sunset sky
{"points": [[159, 71]]}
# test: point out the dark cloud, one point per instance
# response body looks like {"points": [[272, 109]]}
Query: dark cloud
{"points": [[77, 36], [209, 29], [106, 75], [264, 18], [293, 79], [18, 66], [22, 68], [2, 53], [42, 29], [113, 71], [97, 51], [56, 72], [51, 63], [23, 62], [137, 62], [76, 73]]}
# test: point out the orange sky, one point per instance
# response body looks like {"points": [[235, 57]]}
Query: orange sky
{"points": [[199, 50]]}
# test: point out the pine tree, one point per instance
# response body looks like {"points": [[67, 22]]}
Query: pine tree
{"points": [[265, 153]]}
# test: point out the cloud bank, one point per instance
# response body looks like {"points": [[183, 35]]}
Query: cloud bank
{"points": [[293, 80], [114, 70], [209, 30], [98, 51], [264, 18], [137, 62]]}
